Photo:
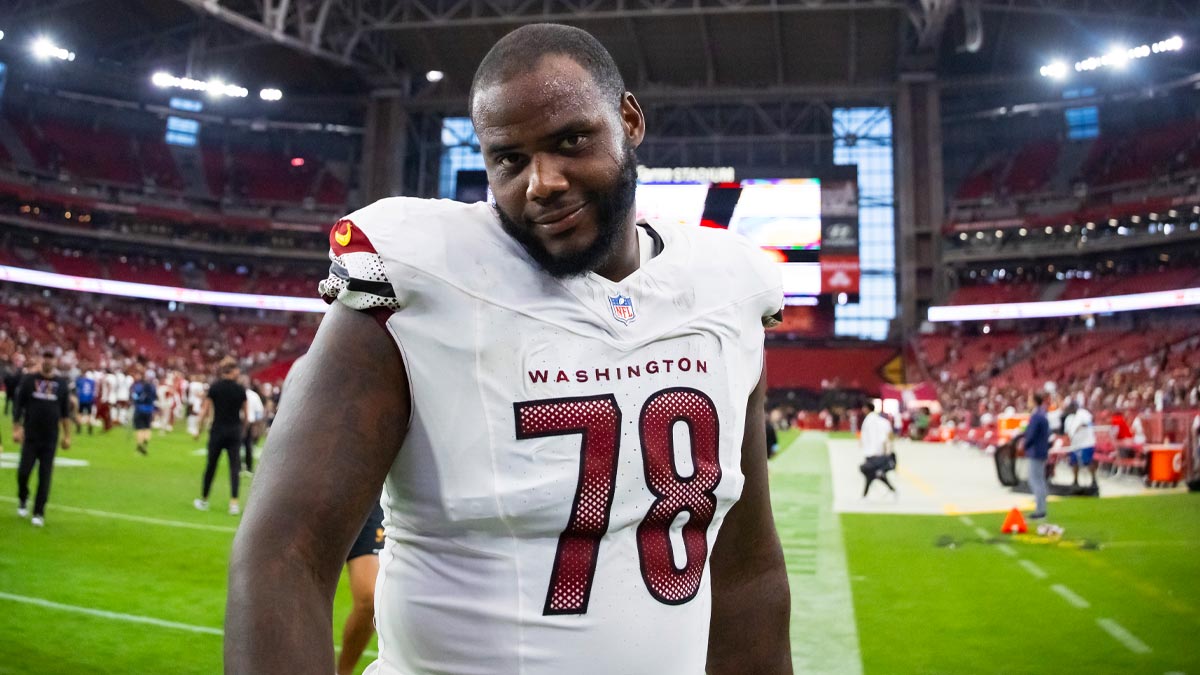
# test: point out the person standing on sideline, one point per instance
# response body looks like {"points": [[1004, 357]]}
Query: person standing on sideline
{"points": [[226, 402], [254, 424], [1037, 449], [41, 407], [85, 390], [1079, 427], [875, 439], [144, 397], [363, 567], [195, 402]]}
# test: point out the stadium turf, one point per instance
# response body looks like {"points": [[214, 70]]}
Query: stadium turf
{"points": [[128, 578]]}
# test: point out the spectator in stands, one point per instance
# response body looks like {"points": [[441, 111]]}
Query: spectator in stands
{"points": [[875, 439], [1037, 448], [1080, 429]]}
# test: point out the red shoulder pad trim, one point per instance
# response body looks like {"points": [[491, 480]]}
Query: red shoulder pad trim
{"points": [[346, 237]]}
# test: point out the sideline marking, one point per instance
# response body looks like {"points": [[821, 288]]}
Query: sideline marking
{"points": [[1007, 550], [983, 534], [11, 461], [1120, 634], [1071, 596], [966, 520], [1033, 569], [115, 616], [134, 519], [925, 488], [130, 618]]}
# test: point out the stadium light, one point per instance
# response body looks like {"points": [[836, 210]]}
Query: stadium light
{"points": [[1118, 57], [270, 94], [435, 76], [1056, 70], [44, 49], [213, 87]]}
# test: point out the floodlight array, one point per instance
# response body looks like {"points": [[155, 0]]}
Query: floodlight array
{"points": [[214, 87], [1117, 57]]}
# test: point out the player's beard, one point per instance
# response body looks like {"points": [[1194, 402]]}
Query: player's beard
{"points": [[612, 210]]}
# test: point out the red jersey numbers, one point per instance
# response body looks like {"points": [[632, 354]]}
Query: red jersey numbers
{"points": [[598, 420]]}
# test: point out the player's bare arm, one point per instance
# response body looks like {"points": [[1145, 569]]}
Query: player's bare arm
{"points": [[333, 441], [750, 597]]}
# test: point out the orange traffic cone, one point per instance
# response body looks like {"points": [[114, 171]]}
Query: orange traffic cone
{"points": [[1014, 523]]}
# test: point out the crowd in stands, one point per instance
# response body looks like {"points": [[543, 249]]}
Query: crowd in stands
{"points": [[1130, 370], [166, 267], [100, 332], [1118, 276]]}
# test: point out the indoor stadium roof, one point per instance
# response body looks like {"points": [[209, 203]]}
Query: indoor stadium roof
{"points": [[694, 49]]}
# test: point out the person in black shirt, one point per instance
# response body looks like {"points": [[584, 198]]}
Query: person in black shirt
{"points": [[226, 402], [41, 407]]}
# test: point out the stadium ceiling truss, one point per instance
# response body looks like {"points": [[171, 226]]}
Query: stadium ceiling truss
{"points": [[360, 33]]}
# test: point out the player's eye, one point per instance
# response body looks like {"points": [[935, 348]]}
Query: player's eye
{"points": [[508, 161], [572, 142]]}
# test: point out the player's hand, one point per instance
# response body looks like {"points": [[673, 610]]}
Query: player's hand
{"points": [[66, 443], [18, 435]]}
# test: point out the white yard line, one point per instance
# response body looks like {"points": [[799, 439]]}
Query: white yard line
{"points": [[1033, 569], [1120, 634], [1007, 550], [135, 519], [983, 533], [1071, 596], [120, 616], [113, 616], [966, 520]]}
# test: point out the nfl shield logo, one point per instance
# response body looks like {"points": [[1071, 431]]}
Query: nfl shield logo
{"points": [[622, 308]]}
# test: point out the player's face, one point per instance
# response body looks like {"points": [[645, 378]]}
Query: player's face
{"points": [[561, 164]]}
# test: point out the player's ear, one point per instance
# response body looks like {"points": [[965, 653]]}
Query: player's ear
{"points": [[633, 122]]}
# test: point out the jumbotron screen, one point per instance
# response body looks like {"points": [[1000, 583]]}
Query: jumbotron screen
{"points": [[779, 214]]}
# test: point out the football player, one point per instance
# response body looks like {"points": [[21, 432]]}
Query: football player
{"points": [[565, 407]]}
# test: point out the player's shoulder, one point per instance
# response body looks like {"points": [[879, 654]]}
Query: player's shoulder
{"points": [[396, 219], [729, 265]]}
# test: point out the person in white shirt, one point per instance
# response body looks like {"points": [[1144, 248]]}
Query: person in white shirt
{"points": [[1080, 429], [876, 443], [254, 424], [195, 400]]}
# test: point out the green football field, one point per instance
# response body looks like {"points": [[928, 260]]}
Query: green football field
{"points": [[127, 577]]}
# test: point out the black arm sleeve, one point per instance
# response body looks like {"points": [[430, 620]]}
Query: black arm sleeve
{"points": [[24, 392], [64, 399]]}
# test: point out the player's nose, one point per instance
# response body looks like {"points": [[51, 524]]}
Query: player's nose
{"points": [[546, 178]]}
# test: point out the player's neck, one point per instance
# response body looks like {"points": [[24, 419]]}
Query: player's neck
{"points": [[626, 256]]}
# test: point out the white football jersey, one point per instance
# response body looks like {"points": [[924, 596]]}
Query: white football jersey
{"points": [[573, 448]]}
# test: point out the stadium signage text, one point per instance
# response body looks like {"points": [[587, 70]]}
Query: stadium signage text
{"points": [[686, 174]]}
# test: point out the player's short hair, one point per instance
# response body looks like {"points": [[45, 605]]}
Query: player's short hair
{"points": [[1039, 399], [48, 354], [227, 367], [868, 405], [519, 52]]}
